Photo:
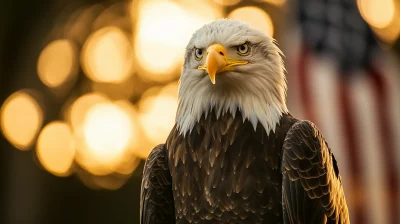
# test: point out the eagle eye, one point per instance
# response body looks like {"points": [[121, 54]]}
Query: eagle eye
{"points": [[198, 54], [243, 49]]}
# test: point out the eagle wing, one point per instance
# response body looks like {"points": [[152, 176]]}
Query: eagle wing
{"points": [[312, 191], [157, 202]]}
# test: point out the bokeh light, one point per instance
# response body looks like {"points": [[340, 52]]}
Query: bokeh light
{"points": [[131, 111], [108, 182], [123, 90], [76, 28], [130, 161], [227, 2], [106, 134], [56, 149], [127, 167], [274, 2], [57, 63], [378, 13], [157, 114], [158, 38], [115, 14], [79, 108], [107, 131], [390, 33], [21, 119], [107, 56], [163, 30], [254, 16], [138, 145]]}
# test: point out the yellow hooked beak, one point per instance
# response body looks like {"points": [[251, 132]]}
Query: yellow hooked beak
{"points": [[218, 62]]}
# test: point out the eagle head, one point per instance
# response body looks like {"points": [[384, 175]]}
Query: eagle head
{"points": [[231, 66]]}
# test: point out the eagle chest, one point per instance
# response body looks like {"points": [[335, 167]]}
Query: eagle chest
{"points": [[224, 170]]}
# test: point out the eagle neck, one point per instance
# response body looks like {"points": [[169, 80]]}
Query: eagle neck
{"points": [[253, 109]]}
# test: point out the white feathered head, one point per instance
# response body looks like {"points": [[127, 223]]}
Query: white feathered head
{"points": [[230, 65]]}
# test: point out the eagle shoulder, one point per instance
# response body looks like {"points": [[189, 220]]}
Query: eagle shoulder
{"points": [[156, 199], [312, 191]]}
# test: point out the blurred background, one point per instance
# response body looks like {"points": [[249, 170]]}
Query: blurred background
{"points": [[89, 87]]}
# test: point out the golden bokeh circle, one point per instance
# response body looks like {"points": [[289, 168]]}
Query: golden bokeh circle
{"points": [[104, 138], [378, 14], [56, 148], [254, 16], [107, 56], [21, 119], [57, 63]]}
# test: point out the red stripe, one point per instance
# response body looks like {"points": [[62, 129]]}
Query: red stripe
{"points": [[305, 94], [387, 138]]}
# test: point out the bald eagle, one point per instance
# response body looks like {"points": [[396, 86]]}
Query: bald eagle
{"points": [[236, 154]]}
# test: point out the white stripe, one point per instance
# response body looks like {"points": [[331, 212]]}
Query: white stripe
{"points": [[370, 149]]}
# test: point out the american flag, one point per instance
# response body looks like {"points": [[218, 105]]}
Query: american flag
{"points": [[342, 81]]}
